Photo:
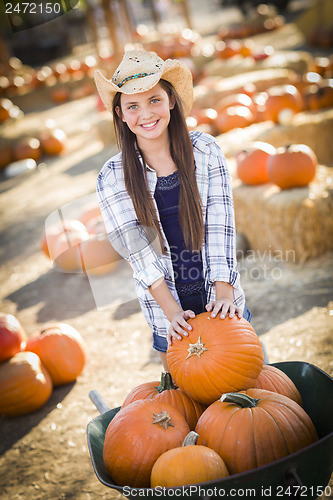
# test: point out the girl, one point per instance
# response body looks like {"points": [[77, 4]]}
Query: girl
{"points": [[166, 199]]}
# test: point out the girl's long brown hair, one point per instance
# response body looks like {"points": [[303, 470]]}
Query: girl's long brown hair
{"points": [[135, 176]]}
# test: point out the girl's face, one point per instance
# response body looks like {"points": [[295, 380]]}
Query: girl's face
{"points": [[147, 114]]}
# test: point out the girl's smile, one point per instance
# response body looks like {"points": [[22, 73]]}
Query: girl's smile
{"points": [[147, 114]]}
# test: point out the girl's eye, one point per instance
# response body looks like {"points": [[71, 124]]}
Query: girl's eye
{"points": [[155, 100], [133, 106]]}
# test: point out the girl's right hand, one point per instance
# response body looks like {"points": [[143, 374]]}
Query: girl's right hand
{"points": [[178, 323]]}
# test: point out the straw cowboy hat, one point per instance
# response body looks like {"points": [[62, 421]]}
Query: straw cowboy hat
{"points": [[140, 71]]}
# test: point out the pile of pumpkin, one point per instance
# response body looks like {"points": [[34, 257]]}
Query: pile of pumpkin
{"points": [[29, 368], [288, 167], [278, 103], [51, 141], [23, 79], [80, 244], [244, 414]]}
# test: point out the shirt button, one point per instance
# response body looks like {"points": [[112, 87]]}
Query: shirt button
{"points": [[165, 248]]}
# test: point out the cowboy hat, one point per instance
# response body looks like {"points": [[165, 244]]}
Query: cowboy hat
{"points": [[140, 71]]}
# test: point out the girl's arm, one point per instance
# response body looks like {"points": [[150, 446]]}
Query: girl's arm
{"points": [[173, 311], [224, 301]]}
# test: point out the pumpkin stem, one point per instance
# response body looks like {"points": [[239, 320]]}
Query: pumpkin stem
{"points": [[166, 383], [196, 349], [238, 398], [191, 439], [163, 419]]}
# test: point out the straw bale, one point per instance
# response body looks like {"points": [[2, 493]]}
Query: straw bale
{"points": [[212, 89], [296, 223], [298, 61]]}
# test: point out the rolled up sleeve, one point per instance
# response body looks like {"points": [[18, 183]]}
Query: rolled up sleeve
{"points": [[220, 222], [140, 246]]}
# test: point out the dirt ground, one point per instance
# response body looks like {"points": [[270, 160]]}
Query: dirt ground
{"points": [[44, 456]]}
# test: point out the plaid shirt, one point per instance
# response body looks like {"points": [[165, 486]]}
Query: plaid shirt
{"points": [[140, 246]]}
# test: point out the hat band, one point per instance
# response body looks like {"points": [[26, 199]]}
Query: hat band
{"points": [[132, 77]]}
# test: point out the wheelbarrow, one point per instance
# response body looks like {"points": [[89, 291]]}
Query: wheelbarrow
{"points": [[303, 474]]}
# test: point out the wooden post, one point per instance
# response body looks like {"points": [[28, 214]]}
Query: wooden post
{"points": [[111, 25], [186, 13]]}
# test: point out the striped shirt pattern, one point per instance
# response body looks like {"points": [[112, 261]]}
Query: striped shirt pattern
{"points": [[140, 246]]}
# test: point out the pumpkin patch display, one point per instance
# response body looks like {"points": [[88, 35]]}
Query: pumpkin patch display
{"points": [[12, 336], [137, 436], [165, 391], [292, 166], [252, 163], [217, 356], [62, 351], [275, 380], [253, 428], [25, 384], [188, 464]]}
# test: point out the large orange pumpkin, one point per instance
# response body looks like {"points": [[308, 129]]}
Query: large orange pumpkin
{"points": [[275, 380], [12, 336], [25, 384], [98, 255], [254, 428], [137, 436], [292, 166], [252, 163], [219, 355], [187, 464], [165, 391], [68, 253], [62, 351]]}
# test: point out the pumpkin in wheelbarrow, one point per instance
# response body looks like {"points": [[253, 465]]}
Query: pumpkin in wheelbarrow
{"points": [[166, 391], [217, 356], [252, 428], [137, 436]]}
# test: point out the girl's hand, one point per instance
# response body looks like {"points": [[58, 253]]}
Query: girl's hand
{"points": [[178, 323], [226, 306]]}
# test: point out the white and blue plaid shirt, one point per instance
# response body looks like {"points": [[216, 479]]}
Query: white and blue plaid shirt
{"points": [[140, 246]]}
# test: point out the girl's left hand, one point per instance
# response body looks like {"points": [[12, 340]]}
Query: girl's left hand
{"points": [[226, 306]]}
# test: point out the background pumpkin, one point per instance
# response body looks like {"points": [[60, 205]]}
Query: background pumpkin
{"points": [[127, 457], [12, 336], [165, 391], [188, 464], [25, 384], [254, 428], [292, 166], [217, 356], [275, 380], [61, 349], [252, 163]]}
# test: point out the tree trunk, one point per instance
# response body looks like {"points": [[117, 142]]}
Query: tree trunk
{"points": [[111, 25], [4, 53]]}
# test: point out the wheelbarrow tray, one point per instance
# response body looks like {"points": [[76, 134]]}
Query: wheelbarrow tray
{"points": [[303, 474]]}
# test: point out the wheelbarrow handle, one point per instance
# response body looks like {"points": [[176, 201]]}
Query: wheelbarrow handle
{"points": [[98, 401]]}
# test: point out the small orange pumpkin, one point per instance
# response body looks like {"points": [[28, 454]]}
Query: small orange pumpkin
{"points": [[282, 97], [217, 356], [275, 380], [25, 384], [253, 428], [52, 233], [12, 336], [187, 464], [233, 117], [53, 141], [62, 351], [126, 456], [292, 166], [252, 163], [166, 391], [28, 147]]}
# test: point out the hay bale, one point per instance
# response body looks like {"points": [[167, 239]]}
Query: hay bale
{"points": [[295, 223], [315, 129], [299, 61], [209, 91]]}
